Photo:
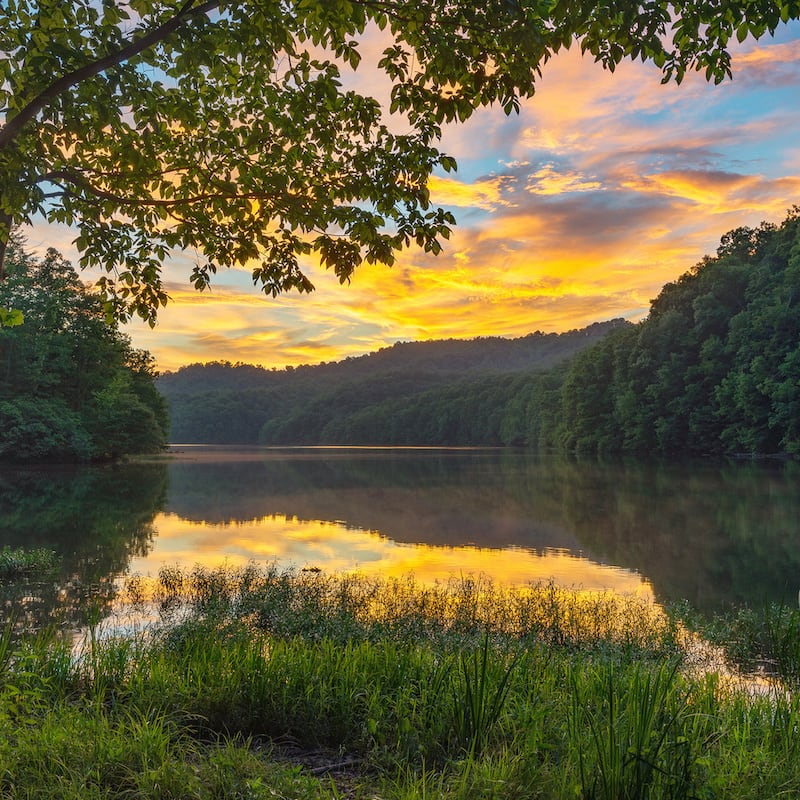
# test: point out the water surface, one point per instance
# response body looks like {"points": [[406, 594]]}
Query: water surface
{"points": [[710, 533]]}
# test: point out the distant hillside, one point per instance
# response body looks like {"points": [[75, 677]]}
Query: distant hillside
{"points": [[245, 404], [713, 369]]}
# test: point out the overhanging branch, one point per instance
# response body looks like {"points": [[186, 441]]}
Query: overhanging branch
{"points": [[13, 127], [78, 180]]}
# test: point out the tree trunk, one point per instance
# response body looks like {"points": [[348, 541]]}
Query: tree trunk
{"points": [[5, 236]]}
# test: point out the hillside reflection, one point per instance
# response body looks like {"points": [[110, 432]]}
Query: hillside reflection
{"points": [[709, 533], [95, 519]]}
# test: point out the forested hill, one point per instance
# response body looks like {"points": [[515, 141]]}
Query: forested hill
{"points": [[221, 402], [715, 367]]}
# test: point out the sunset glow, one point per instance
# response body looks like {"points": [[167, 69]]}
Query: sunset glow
{"points": [[293, 543], [604, 188]]}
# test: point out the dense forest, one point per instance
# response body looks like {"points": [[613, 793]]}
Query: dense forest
{"points": [[72, 387], [334, 403], [714, 368]]}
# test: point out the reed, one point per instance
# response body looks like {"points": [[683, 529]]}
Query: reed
{"points": [[765, 639]]}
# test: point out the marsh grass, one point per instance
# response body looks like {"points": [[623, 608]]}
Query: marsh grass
{"points": [[304, 685], [762, 640], [18, 562], [637, 732]]}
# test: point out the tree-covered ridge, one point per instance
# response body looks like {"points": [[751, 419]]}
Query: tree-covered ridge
{"points": [[72, 386], [331, 403], [715, 367]]}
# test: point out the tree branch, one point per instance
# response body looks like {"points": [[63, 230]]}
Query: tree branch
{"points": [[77, 179], [5, 235], [13, 127]]}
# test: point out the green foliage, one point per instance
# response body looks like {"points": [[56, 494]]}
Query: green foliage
{"points": [[758, 638], [228, 128], [480, 695], [73, 387], [639, 745], [219, 706], [443, 392], [713, 369], [37, 429]]}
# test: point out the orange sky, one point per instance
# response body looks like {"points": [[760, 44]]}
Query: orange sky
{"points": [[578, 210]]}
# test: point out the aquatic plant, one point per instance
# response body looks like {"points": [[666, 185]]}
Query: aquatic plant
{"points": [[18, 562], [348, 698]]}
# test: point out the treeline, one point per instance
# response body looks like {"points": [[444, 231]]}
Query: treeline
{"points": [[72, 388], [358, 400], [715, 367]]}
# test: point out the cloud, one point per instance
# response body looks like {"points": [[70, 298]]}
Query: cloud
{"points": [[768, 66], [485, 193], [719, 192], [548, 180]]}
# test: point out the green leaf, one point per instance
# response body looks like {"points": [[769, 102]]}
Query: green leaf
{"points": [[11, 317]]}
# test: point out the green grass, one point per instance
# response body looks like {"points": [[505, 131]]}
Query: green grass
{"points": [[16, 563], [309, 685], [765, 640]]}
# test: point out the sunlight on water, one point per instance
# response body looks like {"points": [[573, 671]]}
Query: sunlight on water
{"points": [[334, 547]]}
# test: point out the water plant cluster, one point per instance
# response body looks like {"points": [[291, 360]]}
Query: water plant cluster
{"points": [[262, 684], [17, 562]]}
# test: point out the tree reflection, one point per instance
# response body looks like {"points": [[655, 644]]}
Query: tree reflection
{"points": [[95, 519], [712, 533]]}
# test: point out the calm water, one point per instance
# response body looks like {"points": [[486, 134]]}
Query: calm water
{"points": [[710, 533]]}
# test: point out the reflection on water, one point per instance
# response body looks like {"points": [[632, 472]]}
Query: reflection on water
{"points": [[95, 519], [711, 533], [292, 542]]}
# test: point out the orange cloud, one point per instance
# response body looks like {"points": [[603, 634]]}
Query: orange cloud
{"points": [[290, 542], [485, 194], [549, 180]]}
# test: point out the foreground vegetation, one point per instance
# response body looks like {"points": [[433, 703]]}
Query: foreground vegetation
{"points": [[269, 684]]}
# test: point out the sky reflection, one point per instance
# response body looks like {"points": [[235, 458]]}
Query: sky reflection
{"points": [[335, 547]]}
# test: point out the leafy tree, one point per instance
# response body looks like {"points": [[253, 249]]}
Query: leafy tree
{"points": [[227, 127], [72, 386], [714, 368]]}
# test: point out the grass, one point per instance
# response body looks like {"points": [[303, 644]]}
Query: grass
{"points": [[16, 563], [306, 685], [764, 640]]}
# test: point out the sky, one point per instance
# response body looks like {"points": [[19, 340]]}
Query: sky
{"points": [[579, 209]]}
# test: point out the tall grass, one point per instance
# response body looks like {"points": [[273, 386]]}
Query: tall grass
{"points": [[307, 685], [452, 613], [764, 640], [637, 745]]}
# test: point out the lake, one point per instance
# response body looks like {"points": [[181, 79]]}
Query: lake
{"points": [[712, 533]]}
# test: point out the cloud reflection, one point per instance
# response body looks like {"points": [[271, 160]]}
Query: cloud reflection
{"points": [[335, 547]]}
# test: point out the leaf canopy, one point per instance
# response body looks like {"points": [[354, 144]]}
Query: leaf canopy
{"points": [[231, 129]]}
